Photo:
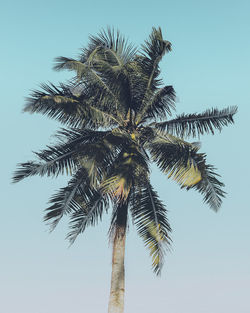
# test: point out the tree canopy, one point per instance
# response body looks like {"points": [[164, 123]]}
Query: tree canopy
{"points": [[117, 119]]}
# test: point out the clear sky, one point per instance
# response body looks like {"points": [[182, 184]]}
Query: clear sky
{"points": [[208, 269]]}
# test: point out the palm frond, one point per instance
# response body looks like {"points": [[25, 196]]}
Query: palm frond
{"points": [[64, 201], [63, 104], [137, 83], [148, 64], [59, 165], [59, 159], [82, 70], [182, 162], [155, 47], [28, 169], [199, 124], [96, 79], [56, 102], [119, 218], [153, 50], [176, 158], [56, 160], [114, 46], [75, 146], [95, 150], [149, 217], [210, 186], [89, 211], [161, 103], [108, 55], [117, 78], [64, 63]]}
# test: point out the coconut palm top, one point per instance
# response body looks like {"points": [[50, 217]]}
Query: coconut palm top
{"points": [[117, 117]]}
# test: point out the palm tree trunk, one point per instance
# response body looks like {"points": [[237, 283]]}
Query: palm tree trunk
{"points": [[116, 299]]}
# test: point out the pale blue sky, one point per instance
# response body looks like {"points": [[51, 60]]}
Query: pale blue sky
{"points": [[208, 269]]}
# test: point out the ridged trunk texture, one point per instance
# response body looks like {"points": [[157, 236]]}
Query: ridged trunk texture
{"points": [[116, 299]]}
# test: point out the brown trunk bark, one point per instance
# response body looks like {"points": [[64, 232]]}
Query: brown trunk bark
{"points": [[116, 299]]}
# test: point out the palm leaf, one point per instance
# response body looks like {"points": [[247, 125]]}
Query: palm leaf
{"points": [[28, 169], [115, 47], [149, 217], [210, 186], [148, 64], [198, 124], [108, 96], [57, 160], [88, 213], [161, 103], [64, 201], [75, 145], [153, 50], [119, 219], [182, 162], [176, 158], [56, 103], [68, 107]]}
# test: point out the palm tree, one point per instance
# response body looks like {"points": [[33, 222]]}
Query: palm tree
{"points": [[116, 113]]}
